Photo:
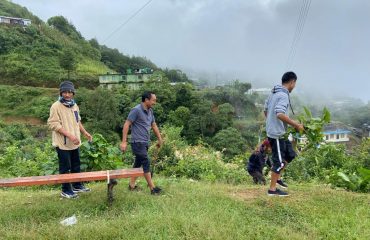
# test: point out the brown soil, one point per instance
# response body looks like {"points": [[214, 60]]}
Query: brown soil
{"points": [[249, 194], [25, 120], [253, 194]]}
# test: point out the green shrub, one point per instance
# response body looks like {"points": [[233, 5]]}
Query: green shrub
{"points": [[317, 162], [100, 155], [176, 158], [357, 181], [28, 161], [330, 163], [230, 142], [179, 117], [100, 112], [41, 107]]}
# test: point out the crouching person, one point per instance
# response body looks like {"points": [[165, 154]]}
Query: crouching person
{"points": [[65, 123], [257, 161]]}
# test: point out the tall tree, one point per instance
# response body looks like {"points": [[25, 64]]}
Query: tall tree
{"points": [[68, 61]]}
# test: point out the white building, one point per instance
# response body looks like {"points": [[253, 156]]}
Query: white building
{"points": [[338, 135], [15, 21], [261, 91], [336, 132], [333, 133]]}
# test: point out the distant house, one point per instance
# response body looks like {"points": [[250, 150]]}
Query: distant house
{"points": [[177, 83], [366, 130], [15, 21], [336, 132], [333, 133], [261, 91], [133, 79], [339, 135]]}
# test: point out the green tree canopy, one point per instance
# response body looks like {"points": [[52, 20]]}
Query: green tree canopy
{"points": [[68, 61], [62, 24], [229, 141]]}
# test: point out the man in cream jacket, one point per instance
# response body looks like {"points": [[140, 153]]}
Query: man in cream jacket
{"points": [[65, 122]]}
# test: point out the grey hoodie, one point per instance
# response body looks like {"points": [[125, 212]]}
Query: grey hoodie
{"points": [[277, 102]]}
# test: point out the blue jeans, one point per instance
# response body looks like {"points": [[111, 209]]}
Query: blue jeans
{"points": [[69, 162]]}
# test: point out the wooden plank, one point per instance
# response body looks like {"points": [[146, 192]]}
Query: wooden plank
{"points": [[71, 177]]}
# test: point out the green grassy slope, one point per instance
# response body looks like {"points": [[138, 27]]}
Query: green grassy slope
{"points": [[188, 210], [26, 102]]}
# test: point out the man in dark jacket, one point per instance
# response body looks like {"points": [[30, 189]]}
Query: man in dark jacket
{"points": [[257, 161]]}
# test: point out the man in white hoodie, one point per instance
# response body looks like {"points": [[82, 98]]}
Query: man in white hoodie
{"points": [[276, 112]]}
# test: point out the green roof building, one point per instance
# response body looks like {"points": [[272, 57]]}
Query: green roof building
{"points": [[133, 79]]}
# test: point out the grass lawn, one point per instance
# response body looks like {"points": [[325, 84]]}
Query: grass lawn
{"points": [[187, 210]]}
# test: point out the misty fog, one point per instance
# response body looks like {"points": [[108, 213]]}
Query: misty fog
{"points": [[226, 40]]}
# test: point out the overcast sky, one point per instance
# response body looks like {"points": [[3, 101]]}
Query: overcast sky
{"points": [[249, 40]]}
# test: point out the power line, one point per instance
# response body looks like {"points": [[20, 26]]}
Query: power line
{"points": [[298, 32], [124, 23], [298, 26], [301, 32]]}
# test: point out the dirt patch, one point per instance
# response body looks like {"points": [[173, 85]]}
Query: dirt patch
{"points": [[249, 194], [25, 120]]}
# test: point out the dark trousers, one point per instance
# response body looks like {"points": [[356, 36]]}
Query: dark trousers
{"points": [[258, 177], [282, 150], [140, 150], [69, 162]]}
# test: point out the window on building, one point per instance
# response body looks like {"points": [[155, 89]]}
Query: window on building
{"points": [[327, 137], [337, 136], [342, 135]]}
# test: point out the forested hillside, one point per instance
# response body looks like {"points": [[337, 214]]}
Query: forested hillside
{"points": [[43, 53]]}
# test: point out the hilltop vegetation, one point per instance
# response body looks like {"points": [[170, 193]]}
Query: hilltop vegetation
{"points": [[32, 55], [8, 8]]}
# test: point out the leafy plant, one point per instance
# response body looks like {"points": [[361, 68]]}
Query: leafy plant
{"points": [[317, 163], [100, 155], [313, 128], [359, 182]]}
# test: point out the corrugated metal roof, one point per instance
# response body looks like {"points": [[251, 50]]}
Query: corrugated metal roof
{"points": [[15, 18], [338, 131]]}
